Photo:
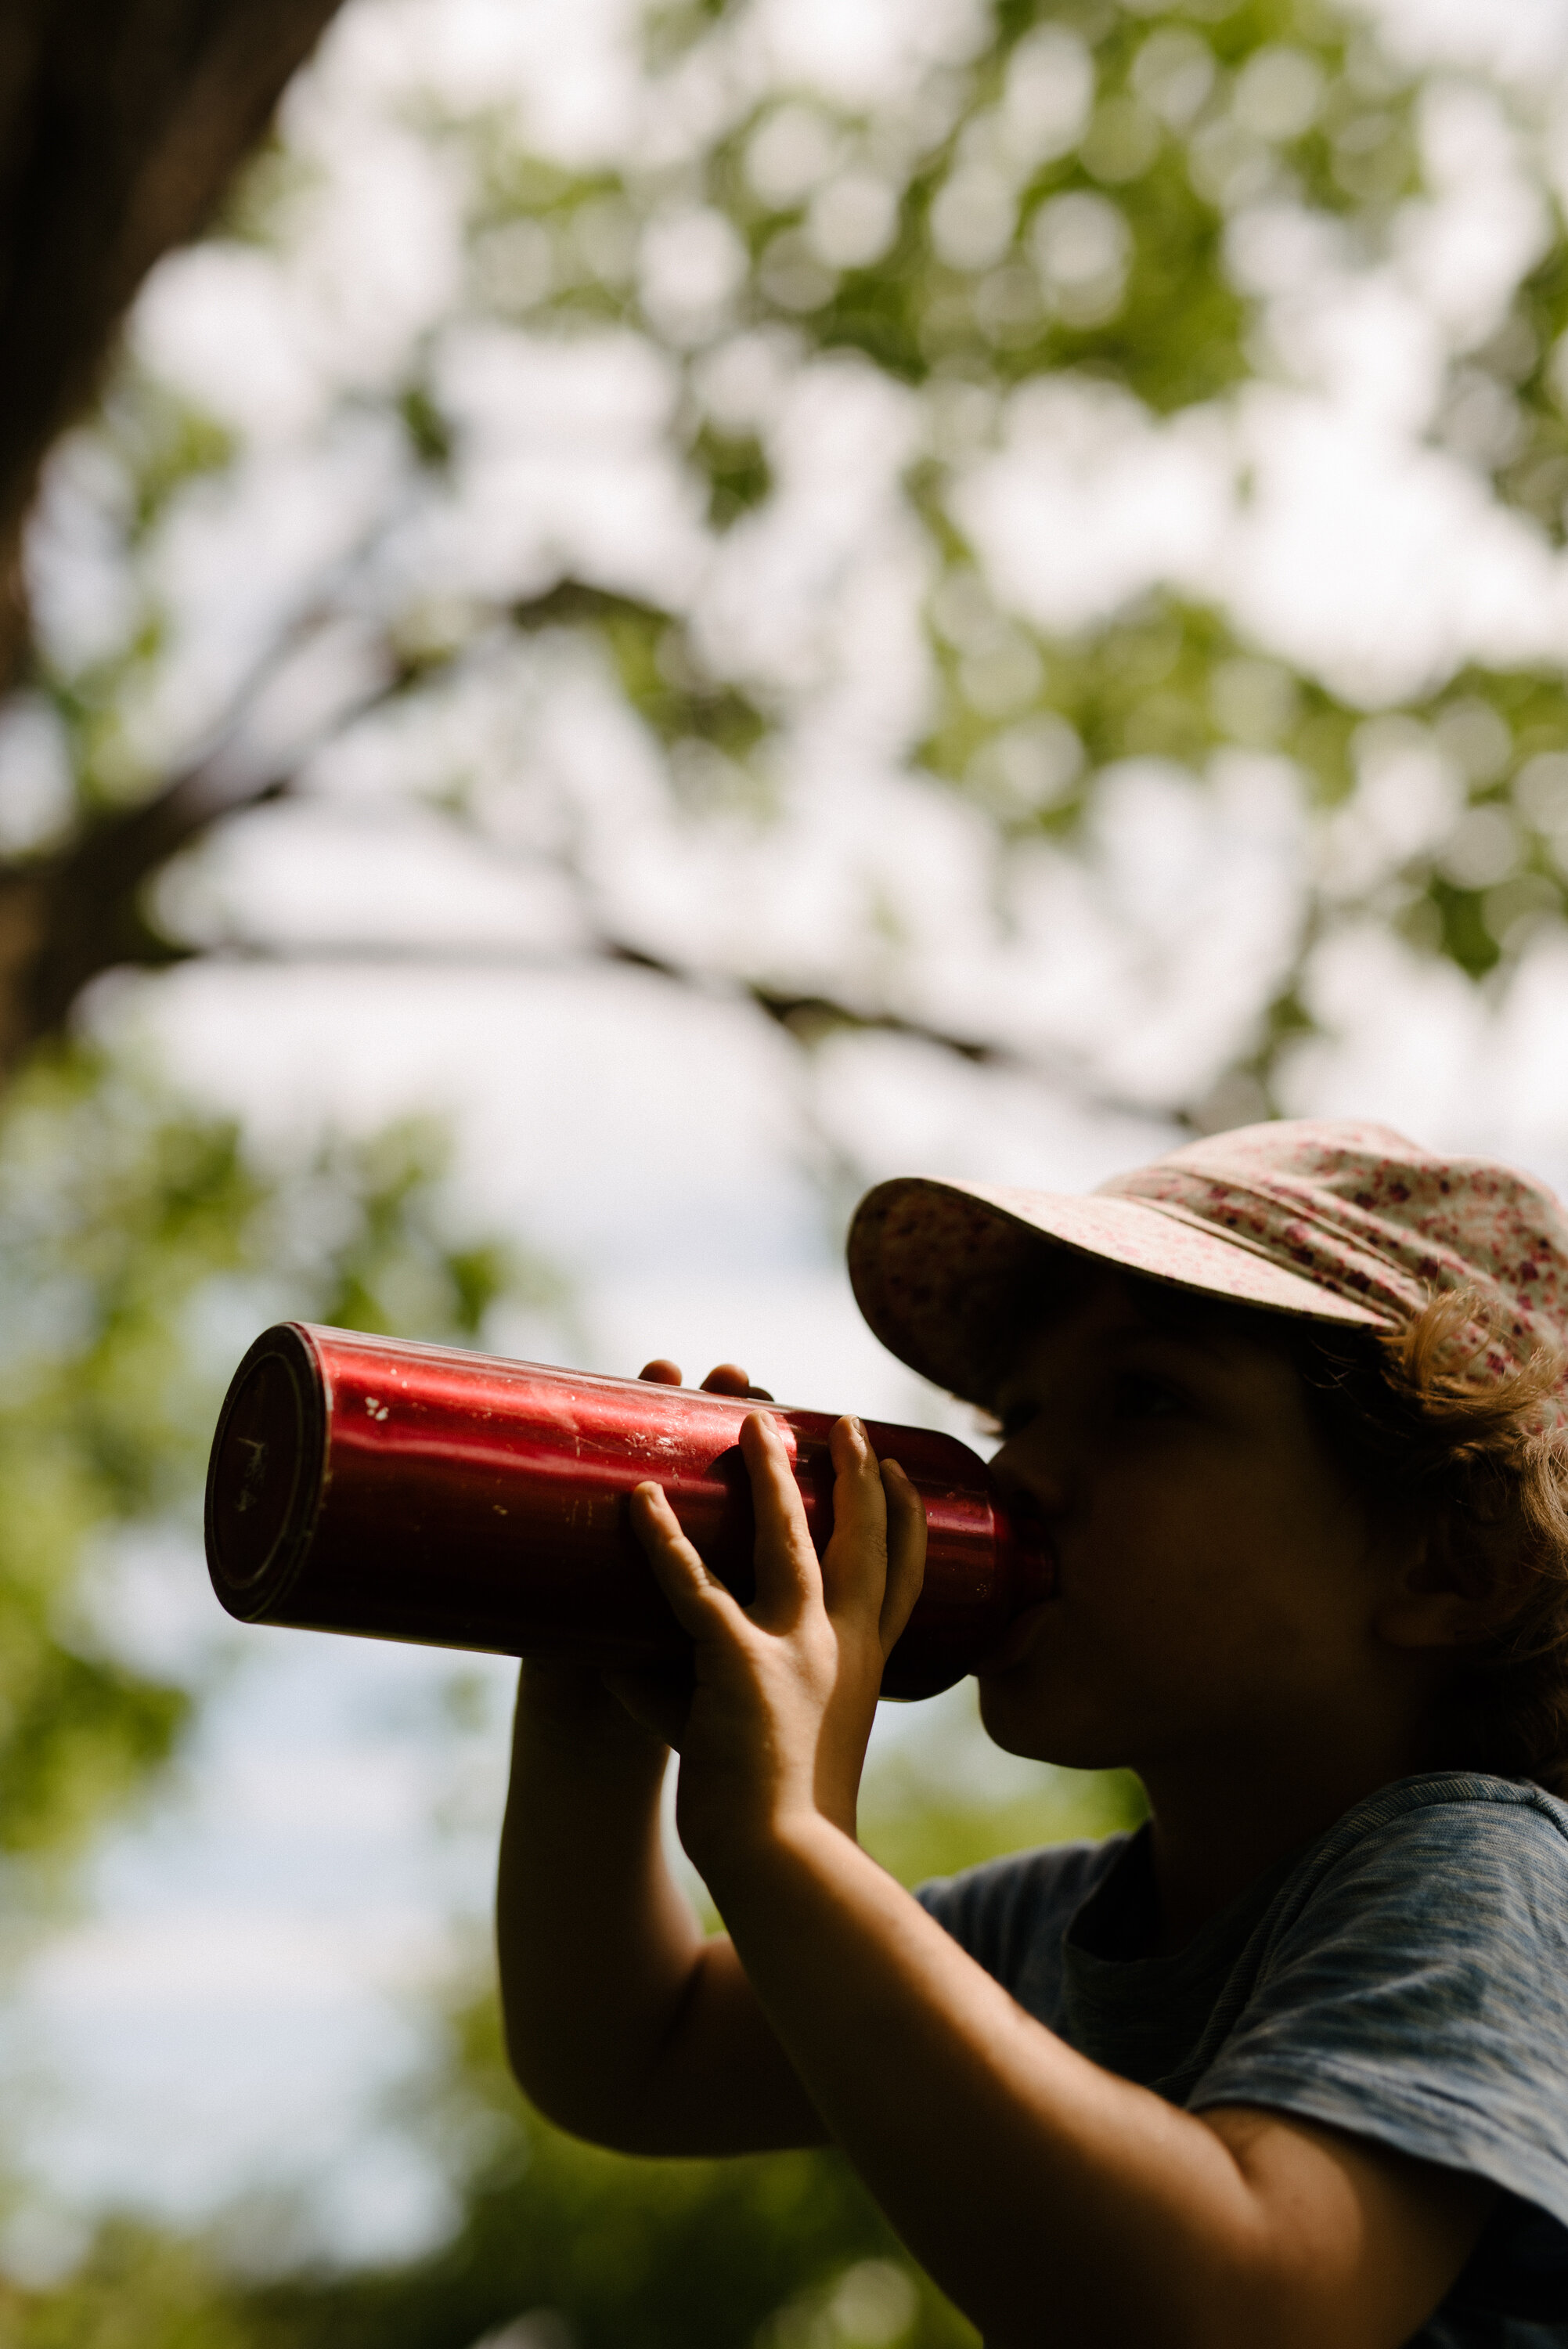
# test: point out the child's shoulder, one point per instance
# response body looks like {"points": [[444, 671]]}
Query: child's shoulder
{"points": [[1458, 1800], [1409, 1982], [1457, 1840]]}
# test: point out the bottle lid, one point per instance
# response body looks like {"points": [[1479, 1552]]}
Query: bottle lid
{"points": [[264, 1473]]}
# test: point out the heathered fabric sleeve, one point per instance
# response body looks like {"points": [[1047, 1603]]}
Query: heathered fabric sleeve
{"points": [[1010, 1914], [1415, 1989]]}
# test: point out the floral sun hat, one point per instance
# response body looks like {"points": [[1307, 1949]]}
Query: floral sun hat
{"points": [[1338, 1222]]}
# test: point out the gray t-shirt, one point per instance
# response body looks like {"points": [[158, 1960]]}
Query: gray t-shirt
{"points": [[1405, 1977]]}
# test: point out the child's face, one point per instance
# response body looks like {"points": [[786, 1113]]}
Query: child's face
{"points": [[1218, 1584]]}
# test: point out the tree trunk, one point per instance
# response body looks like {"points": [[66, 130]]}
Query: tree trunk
{"points": [[121, 123]]}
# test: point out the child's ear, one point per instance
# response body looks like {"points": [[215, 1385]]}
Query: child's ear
{"points": [[1438, 1596]]}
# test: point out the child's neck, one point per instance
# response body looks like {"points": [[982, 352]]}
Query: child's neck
{"points": [[1209, 1842]]}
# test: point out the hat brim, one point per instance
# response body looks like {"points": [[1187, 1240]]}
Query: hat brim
{"points": [[937, 1267]]}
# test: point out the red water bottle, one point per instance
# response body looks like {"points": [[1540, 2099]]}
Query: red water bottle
{"points": [[461, 1500]]}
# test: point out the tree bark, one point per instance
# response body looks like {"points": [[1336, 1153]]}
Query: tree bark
{"points": [[66, 918], [121, 123]]}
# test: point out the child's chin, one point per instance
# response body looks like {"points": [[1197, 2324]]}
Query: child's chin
{"points": [[1021, 1720]]}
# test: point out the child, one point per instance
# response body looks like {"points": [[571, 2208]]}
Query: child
{"points": [[1290, 2065]]}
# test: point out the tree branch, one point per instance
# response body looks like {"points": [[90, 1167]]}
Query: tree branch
{"points": [[68, 916], [121, 123]]}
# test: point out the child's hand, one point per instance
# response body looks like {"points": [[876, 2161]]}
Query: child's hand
{"points": [[725, 1378], [785, 1690], [571, 1701]]}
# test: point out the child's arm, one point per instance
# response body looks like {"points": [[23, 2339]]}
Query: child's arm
{"points": [[1054, 2201], [623, 2023]]}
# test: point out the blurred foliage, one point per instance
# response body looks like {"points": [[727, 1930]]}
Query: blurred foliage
{"points": [[393, 1264], [140, 1249], [1120, 197], [935, 238], [113, 1215], [142, 1246], [1027, 725], [1507, 405], [137, 2289], [1010, 254], [1074, 191], [669, 2254], [919, 1824], [658, 668], [669, 687], [175, 444]]}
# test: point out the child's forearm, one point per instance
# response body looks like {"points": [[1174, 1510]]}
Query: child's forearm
{"points": [[623, 2023], [595, 1945], [1052, 2201]]}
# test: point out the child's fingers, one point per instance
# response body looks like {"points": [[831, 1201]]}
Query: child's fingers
{"points": [[905, 1551], [787, 1574], [699, 1601], [854, 1567]]}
